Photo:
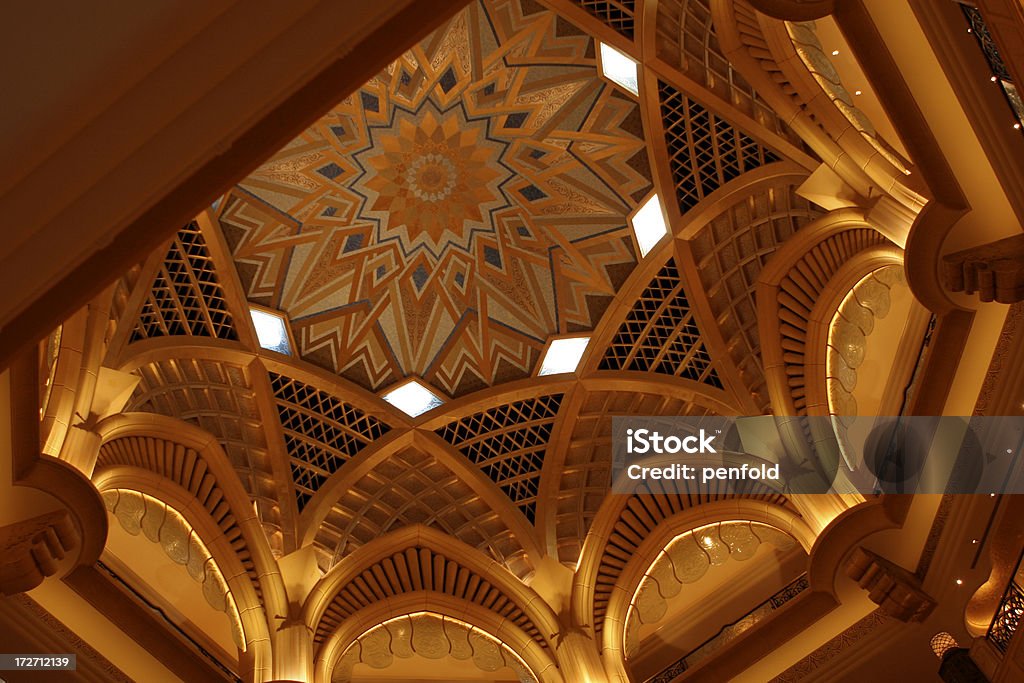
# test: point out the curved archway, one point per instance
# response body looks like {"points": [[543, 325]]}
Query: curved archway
{"points": [[534, 659], [252, 616]]}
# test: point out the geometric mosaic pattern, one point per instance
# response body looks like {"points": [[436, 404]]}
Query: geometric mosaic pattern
{"points": [[618, 14], [186, 298], [660, 334], [464, 205], [730, 252], [321, 432], [705, 151], [412, 487], [508, 443]]}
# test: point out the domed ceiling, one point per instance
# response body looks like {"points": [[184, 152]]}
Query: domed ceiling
{"points": [[463, 206]]}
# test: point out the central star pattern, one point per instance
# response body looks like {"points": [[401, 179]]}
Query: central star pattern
{"points": [[461, 207], [435, 177]]}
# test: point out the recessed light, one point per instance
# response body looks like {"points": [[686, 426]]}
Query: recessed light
{"points": [[857, 92], [563, 355], [993, 79], [974, 541], [649, 224], [835, 53], [619, 69], [412, 398], [271, 330], [959, 582]]}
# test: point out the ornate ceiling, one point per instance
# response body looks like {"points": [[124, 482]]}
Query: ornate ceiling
{"points": [[443, 222], [446, 219]]}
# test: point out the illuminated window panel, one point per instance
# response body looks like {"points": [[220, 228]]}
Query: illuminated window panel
{"points": [[271, 331], [619, 69], [563, 355], [413, 399], [649, 225]]}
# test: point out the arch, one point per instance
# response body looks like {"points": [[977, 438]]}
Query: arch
{"points": [[579, 463], [540, 661], [419, 558], [799, 288], [636, 530], [225, 499], [250, 606], [615, 621], [166, 348]]}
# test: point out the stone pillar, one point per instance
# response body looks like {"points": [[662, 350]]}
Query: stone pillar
{"points": [[293, 652], [577, 655]]}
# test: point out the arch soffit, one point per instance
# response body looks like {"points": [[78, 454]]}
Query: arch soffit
{"points": [[169, 348], [741, 509], [250, 609], [190, 436], [320, 597], [779, 518], [784, 262], [536, 658]]}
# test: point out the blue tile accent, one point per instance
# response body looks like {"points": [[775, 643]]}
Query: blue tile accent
{"points": [[448, 80], [492, 256], [370, 102], [419, 276], [330, 171], [515, 120], [532, 192], [352, 243]]}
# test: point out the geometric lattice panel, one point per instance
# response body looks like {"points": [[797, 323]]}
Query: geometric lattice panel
{"points": [[730, 252], [507, 443], [321, 433], [413, 487], [660, 334], [618, 14], [186, 298], [686, 39], [705, 152]]}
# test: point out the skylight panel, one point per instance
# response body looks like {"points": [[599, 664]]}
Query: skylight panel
{"points": [[271, 331], [413, 399], [563, 355], [649, 224], [619, 69]]}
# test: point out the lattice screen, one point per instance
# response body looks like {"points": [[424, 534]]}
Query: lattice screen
{"points": [[507, 443], [186, 298], [660, 334], [705, 151], [321, 432], [686, 38], [618, 14]]}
